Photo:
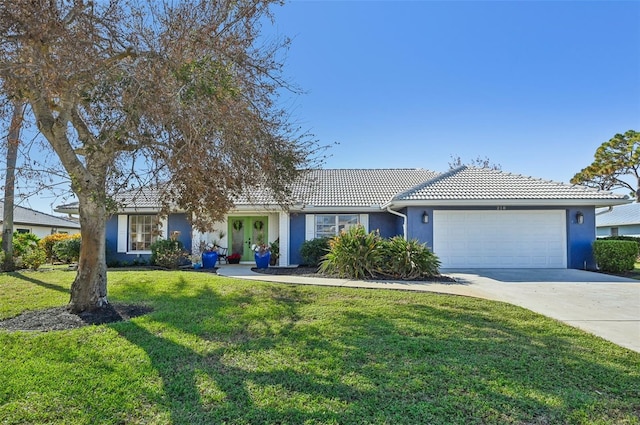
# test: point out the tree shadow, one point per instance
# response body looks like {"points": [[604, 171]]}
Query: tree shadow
{"points": [[381, 366], [229, 384], [38, 282]]}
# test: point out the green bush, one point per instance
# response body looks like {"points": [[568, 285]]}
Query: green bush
{"points": [[313, 250], [23, 245], [34, 258], [47, 243], [354, 254], [404, 259], [622, 238], [615, 256], [24, 242], [67, 250], [168, 253]]}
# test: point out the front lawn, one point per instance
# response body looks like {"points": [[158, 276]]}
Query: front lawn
{"points": [[217, 350]]}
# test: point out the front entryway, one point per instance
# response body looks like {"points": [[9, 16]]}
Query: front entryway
{"points": [[244, 231]]}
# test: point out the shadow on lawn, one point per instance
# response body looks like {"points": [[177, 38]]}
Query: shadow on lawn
{"points": [[214, 385], [21, 276], [219, 351]]}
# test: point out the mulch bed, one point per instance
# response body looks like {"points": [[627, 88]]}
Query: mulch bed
{"points": [[59, 318]]}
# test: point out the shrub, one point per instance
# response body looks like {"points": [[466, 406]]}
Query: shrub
{"points": [[615, 256], [357, 254], [622, 238], [24, 242], [354, 254], [68, 250], [47, 243], [313, 250], [168, 253], [402, 259], [34, 258]]}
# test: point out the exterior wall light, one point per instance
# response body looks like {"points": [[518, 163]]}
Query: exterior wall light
{"points": [[579, 217], [425, 217]]}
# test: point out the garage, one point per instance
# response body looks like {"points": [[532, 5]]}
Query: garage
{"points": [[500, 239]]}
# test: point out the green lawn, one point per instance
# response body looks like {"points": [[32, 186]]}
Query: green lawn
{"points": [[217, 350]]}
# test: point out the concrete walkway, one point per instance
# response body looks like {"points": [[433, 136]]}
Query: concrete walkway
{"points": [[606, 306]]}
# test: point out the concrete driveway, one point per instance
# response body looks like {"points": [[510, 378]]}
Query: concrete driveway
{"points": [[606, 306]]}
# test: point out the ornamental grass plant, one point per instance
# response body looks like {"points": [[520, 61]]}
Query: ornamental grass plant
{"points": [[356, 254]]}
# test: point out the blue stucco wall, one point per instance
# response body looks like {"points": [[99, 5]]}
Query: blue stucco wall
{"points": [[580, 238], [389, 225], [416, 229], [179, 223], [296, 237], [112, 241], [175, 222]]}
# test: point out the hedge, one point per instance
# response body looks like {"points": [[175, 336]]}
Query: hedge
{"points": [[615, 256]]}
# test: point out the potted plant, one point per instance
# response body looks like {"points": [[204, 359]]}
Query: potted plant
{"points": [[234, 258], [262, 255], [209, 256], [196, 261], [275, 252]]}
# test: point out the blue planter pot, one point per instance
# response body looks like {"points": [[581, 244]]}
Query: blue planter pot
{"points": [[209, 260], [262, 261]]}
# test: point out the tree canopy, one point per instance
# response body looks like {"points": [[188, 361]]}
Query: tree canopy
{"points": [[614, 161], [479, 162], [128, 92]]}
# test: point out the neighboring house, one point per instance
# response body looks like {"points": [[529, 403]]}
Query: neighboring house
{"points": [[26, 220], [623, 220], [470, 217]]}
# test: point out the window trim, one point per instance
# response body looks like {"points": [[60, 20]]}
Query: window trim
{"points": [[310, 220], [139, 221], [124, 234], [336, 226]]}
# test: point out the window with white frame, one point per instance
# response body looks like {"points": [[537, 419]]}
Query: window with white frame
{"points": [[143, 231], [329, 225]]}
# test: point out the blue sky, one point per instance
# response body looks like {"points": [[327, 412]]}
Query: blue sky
{"points": [[535, 86]]}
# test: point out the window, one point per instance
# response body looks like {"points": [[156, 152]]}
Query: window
{"points": [[143, 231], [331, 225], [614, 231], [23, 230]]}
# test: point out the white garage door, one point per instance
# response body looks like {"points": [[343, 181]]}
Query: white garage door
{"points": [[500, 239]]}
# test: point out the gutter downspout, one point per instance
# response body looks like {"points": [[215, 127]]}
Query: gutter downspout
{"points": [[607, 211], [404, 221]]}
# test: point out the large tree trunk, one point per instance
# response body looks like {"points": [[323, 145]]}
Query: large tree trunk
{"points": [[13, 140], [89, 289]]}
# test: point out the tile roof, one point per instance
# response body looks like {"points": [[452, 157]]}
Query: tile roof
{"points": [[142, 198], [619, 216], [22, 215], [471, 183], [348, 187], [360, 188]]}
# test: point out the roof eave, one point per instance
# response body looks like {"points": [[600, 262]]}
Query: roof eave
{"points": [[507, 202], [336, 208]]}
